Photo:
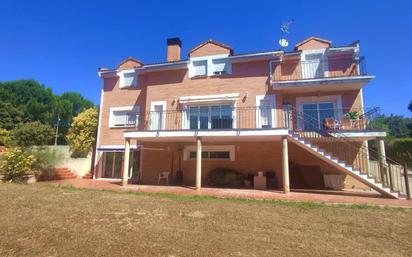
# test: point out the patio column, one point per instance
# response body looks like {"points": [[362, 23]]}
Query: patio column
{"points": [[382, 159], [198, 163], [126, 162], [285, 165]]}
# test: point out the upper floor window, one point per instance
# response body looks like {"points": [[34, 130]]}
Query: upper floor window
{"points": [[200, 68], [221, 66], [128, 78], [124, 116], [213, 65]]}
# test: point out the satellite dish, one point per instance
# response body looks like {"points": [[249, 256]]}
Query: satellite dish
{"points": [[283, 42]]}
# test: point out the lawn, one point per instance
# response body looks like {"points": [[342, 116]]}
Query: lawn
{"points": [[62, 221]]}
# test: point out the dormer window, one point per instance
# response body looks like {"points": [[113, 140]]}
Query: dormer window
{"points": [[213, 65], [199, 68], [221, 66], [128, 79]]}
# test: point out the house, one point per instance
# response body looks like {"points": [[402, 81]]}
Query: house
{"points": [[296, 117]]}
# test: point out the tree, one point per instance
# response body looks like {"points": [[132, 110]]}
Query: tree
{"points": [[410, 106], [394, 125], [32, 134], [81, 134]]}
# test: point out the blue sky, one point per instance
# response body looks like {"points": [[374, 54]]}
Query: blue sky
{"points": [[62, 43]]}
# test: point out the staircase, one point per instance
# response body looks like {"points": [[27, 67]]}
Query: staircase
{"points": [[89, 175], [342, 166], [63, 173]]}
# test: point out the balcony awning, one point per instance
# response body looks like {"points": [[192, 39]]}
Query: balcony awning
{"points": [[209, 98]]}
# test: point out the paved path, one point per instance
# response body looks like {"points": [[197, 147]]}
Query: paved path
{"points": [[343, 197]]}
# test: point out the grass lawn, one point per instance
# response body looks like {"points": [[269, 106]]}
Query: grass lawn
{"points": [[62, 221]]}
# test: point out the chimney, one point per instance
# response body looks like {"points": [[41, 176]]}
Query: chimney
{"points": [[173, 49]]}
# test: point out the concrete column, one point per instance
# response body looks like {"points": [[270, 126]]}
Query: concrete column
{"points": [[126, 162], [285, 165], [382, 160], [199, 163]]}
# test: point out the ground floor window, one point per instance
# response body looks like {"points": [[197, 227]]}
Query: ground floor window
{"points": [[211, 152], [212, 155], [113, 164]]}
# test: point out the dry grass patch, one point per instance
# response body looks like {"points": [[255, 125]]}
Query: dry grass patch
{"points": [[60, 221]]}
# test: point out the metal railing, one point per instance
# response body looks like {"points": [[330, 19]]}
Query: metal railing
{"points": [[211, 118], [324, 68], [367, 160]]}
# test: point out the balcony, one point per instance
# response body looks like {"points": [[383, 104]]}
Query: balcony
{"points": [[229, 118], [294, 72]]}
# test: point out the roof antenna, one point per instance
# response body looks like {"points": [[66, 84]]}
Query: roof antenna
{"points": [[284, 29]]}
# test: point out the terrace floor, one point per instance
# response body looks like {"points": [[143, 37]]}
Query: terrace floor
{"points": [[323, 196]]}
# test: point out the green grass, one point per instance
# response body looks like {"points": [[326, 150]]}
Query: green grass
{"points": [[66, 221]]}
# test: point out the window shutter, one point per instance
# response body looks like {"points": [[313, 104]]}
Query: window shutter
{"points": [[199, 68]]}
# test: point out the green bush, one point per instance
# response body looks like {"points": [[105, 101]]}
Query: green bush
{"points": [[400, 149], [47, 159], [223, 177], [5, 137], [16, 164], [32, 133]]}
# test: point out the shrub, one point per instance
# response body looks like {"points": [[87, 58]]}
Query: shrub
{"points": [[223, 177], [400, 149], [5, 137], [81, 135], [47, 159], [16, 164], [32, 133]]}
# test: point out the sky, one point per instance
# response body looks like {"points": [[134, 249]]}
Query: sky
{"points": [[61, 44]]}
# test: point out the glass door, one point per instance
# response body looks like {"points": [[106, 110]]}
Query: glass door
{"points": [[157, 117], [134, 173], [113, 163], [314, 114]]}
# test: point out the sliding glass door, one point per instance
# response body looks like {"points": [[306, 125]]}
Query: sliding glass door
{"points": [[211, 117], [314, 114]]}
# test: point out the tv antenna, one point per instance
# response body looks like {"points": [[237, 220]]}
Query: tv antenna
{"points": [[284, 29]]}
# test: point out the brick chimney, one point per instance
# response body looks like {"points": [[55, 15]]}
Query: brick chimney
{"points": [[173, 49]]}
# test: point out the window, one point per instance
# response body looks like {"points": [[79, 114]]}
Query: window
{"points": [[212, 65], [211, 117], [314, 64], [124, 117], [127, 79], [221, 66], [314, 114], [200, 68], [212, 155], [265, 113]]}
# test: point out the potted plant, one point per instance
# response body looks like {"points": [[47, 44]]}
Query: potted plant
{"points": [[352, 115]]}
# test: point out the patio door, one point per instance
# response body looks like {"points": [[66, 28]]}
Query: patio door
{"points": [[265, 113], [314, 66], [113, 163], [314, 114], [158, 116]]}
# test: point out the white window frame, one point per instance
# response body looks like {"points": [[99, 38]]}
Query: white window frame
{"points": [[186, 113], [323, 61], [135, 108], [152, 109], [210, 148], [336, 99], [210, 69], [272, 99], [121, 75]]}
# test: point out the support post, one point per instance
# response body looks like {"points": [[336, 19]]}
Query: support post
{"points": [[285, 165], [126, 162], [198, 163], [382, 161], [405, 174]]}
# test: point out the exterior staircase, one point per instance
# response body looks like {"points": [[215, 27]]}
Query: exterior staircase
{"points": [[63, 173], [89, 175], [342, 166]]}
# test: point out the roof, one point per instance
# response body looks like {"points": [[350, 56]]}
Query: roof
{"points": [[212, 42], [130, 59], [313, 38]]}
